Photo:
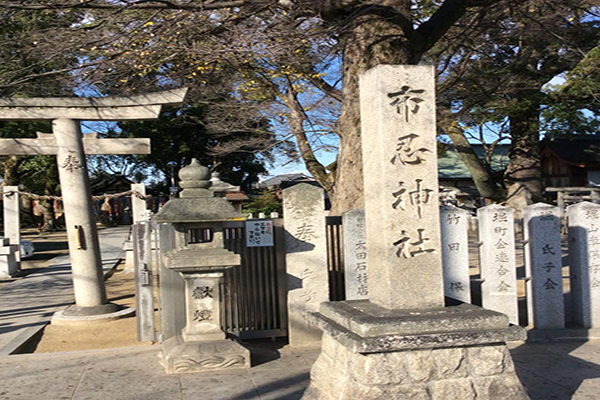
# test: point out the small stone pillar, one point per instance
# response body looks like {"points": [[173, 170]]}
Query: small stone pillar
{"points": [[9, 265], [200, 257], [12, 219]]}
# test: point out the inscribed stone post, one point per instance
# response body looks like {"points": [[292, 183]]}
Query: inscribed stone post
{"points": [[355, 255], [584, 251], [497, 260], [544, 266], [306, 260], [455, 253], [138, 205], [12, 218], [401, 186], [144, 298]]}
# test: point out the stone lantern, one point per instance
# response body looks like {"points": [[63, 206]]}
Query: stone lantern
{"points": [[200, 257]]}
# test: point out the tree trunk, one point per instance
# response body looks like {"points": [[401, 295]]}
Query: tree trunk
{"points": [[47, 209], [523, 176], [482, 177], [371, 40], [11, 174], [297, 117]]}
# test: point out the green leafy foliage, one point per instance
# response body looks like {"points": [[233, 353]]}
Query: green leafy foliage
{"points": [[267, 202]]}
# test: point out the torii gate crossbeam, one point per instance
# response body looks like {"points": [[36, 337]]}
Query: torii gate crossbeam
{"points": [[70, 147]]}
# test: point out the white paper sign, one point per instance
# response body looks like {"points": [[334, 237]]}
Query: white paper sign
{"points": [[259, 233]]}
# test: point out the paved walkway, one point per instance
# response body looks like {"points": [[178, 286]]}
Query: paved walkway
{"points": [[27, 304], [548, 371]]}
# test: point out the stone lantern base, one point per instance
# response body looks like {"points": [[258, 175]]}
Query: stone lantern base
{"points": [[179, 356], [372, 353]]}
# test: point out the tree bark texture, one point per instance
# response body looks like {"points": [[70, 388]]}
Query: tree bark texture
{"points": [[482, 177], [49, 221], [11, 173], [376, 33], [524, 171], [371, 39], [297, 118]]}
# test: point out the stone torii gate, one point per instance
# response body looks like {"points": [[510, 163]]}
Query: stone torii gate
{"points": [[70, 147]]}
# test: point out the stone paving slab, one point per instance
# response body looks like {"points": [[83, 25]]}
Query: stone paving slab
{"points": [[111, 248], [27, 304], [134, 373], [549, 371]]}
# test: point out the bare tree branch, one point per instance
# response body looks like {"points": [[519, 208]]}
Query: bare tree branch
{"points": [[136, 5]]}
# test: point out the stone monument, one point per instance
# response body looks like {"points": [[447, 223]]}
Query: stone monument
{"points": [[70, 148], [498, 260], [584, 251], [200, 257], [455, 252], [404, 342], [305, 260], [543, 263]]}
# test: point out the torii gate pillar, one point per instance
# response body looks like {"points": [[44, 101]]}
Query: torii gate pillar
{"points": [[70, 148], [84, 247]]}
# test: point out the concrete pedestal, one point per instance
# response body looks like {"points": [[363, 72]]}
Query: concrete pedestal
{"points": [[370, 352], [180, 356]]}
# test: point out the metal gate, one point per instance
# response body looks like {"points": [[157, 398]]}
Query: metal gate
{"points": [[335, 258], [254, 295]]}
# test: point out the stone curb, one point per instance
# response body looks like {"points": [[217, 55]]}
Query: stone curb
{"points": [[562, 335], [21, 341], [59, 319], [145, 348]]}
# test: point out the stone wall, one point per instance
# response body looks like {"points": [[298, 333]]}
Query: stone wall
{"points": [[463, 373]]}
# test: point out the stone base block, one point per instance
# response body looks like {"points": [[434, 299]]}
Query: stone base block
{"points": [[9, 266], [179, 356], [417, 358]]}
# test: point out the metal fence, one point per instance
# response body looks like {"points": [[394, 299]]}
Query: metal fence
{"points": [[335, 258], [254, 295]]}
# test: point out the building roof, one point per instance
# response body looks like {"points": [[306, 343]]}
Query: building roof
{"points": [[107, 183], [236, 196], [279, 179], [450, 165], [575, 150]]}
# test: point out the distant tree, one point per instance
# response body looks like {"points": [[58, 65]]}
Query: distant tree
{"points": [[283, 50], [495, 73], [574, 106], [267, 202], [20, 60], [181, 134]]}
